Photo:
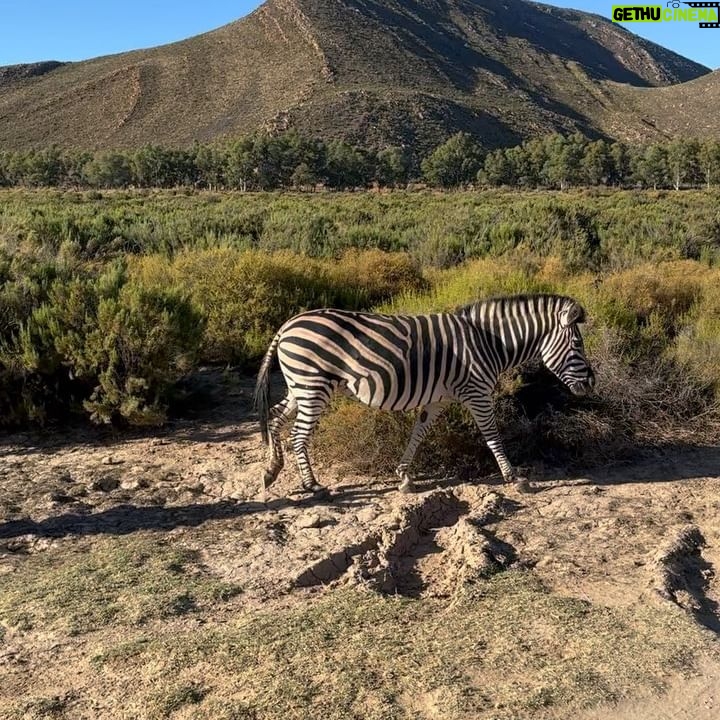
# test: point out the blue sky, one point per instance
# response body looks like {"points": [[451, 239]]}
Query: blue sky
{"points": [[79, 29], [686, 38], [32, 30]]}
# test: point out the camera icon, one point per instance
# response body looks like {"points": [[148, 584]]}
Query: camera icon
{"points": [[673, 3]]}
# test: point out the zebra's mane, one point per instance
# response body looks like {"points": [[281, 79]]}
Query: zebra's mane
{"points": [[503, 305]]}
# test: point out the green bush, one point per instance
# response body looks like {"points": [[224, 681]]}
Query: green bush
{"points": [[247, 296], [105, 345], [598, 231], [248, 262]]}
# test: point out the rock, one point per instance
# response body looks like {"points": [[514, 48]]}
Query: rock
{"points": [[105, 484], [42, 544], [228, 488], [19, 544], [367, 515], [112, 460], [131, 483], [309, 520], [60, 497]]}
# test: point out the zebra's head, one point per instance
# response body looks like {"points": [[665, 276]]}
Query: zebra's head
{"points": [[563, 353]]}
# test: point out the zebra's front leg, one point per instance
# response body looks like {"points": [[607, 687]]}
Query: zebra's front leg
{"points": [[482, 411], [424, 420]]}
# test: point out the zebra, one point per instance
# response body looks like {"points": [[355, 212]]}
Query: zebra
{"points": [[404, 362]]}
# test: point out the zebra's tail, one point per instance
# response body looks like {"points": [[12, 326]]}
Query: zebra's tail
{"points": [[262, 389]]}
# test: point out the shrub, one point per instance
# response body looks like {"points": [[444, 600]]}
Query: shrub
{"points": [[369, 277], [697, 348], [107, 345], [368, 441], [473, 281], [246, 296]]}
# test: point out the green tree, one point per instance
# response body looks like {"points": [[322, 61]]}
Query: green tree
{"points": [[44, 168], [15, 168], [621, 171], [683, 164], [521, 170], [498, 169], [74, 162], [183, 170], [346, 166], [453, 163], [303, 177], [241, 161], [564, 159], [108, 170], [651, 167], [209, 164], [536, 154], [596, 163], [392, 167], [152, 167], [709, 161], [268, 154]]}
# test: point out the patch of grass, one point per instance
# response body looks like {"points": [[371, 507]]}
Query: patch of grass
{"points": [[126, 581], [506, 648], [179, 697]]}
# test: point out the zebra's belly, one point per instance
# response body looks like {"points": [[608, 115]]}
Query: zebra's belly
{"points": [[402, 394]]}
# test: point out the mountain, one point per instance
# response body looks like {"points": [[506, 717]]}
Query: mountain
{"points": [[689, 109], [371, 71]]}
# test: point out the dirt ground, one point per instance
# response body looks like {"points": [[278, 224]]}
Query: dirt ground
{"points": [[636, 537]]}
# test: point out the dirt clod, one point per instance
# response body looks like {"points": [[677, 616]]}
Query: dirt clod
{"points": [[105, 483]]}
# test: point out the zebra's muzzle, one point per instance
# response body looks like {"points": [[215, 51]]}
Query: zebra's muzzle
{"points": [[581, 388]]}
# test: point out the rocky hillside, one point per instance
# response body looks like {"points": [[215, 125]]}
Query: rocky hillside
{"points": [[372, 71]]}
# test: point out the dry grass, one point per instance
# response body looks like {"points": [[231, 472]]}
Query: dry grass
{"points": [[504, 648], [128, 582]]}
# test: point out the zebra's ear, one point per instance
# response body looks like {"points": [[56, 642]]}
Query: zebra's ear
{"points": [[572, 314]]}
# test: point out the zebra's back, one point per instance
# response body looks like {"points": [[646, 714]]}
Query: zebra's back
{"points": [[392, 362]]}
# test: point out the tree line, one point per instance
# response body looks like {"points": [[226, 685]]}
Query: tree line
{"points": [[289, 160], [256, 162]]}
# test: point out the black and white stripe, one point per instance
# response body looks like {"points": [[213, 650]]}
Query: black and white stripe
{"points": [[402, 362]]}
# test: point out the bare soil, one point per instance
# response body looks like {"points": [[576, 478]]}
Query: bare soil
{"points": [[115, 547]]}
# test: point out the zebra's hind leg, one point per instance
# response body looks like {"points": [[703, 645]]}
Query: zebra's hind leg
{"points": [[281, 414], [425, 419], [309, 410]]}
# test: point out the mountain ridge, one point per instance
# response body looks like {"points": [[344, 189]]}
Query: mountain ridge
{"points": [[367, 71]]}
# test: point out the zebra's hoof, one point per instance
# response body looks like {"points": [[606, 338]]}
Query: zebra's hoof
{"points": [[523, 485], [268, 479], [407, 486], [318, 490]]}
